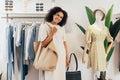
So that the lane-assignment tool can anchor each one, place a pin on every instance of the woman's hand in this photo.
(83, 58)
(44, 44)
(52, 27)
(54, 30)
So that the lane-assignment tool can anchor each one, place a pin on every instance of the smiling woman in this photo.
(53, 30)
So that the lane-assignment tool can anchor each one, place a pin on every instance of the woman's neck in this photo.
(54, 23)
(51, 24)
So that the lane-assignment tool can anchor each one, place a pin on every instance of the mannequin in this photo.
(94, 37)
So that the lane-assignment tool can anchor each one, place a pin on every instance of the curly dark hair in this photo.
(49, 16)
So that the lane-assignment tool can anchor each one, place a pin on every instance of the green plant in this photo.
(90, 15)
(113, 28)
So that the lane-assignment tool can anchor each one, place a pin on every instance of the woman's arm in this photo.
(49, 38)
(67, 58)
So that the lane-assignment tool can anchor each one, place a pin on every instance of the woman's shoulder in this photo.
(61, 27)
(43, 24)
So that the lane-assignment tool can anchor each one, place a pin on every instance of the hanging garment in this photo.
(17, 43)
(19, 28)
(97, 55)
(26, 38)
(10, 50)
(59, 37)
(19, 51)
(23, 42)
(31, 37)
(23, 66)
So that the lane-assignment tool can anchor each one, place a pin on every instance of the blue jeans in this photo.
(10, 52)
(24, 68)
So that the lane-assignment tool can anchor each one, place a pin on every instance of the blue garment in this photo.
(10, 51)
(33, 38)
(19, 44)
(20, 49)
(22, 54)
(24, 68)
(36, 33)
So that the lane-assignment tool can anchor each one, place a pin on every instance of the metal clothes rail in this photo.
(23, 15)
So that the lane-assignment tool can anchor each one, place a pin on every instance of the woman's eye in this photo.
(59, 16)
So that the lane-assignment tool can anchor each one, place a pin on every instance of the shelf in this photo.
(23, 15)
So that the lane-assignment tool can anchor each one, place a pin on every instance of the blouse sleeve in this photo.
(109, 37)
(42, 32)
(64, 34)
(88, 35)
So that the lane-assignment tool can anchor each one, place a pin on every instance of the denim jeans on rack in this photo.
(22, 53)
(33, 38)
(10, 51)
(24, 68)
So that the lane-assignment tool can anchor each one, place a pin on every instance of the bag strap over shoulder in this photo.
(75, 60)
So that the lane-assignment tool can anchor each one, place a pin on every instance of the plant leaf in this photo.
(90, 15)
(81, 28)
(115, 29)
(108, 17)
(108, 24)
(105, 44)
(110, 54)
(111, 29)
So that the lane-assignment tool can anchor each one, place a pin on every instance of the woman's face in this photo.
(57, 18)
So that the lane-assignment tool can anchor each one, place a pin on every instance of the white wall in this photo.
(77, 14)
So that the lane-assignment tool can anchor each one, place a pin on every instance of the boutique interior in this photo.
(31, 13)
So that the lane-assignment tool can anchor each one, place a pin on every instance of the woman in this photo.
(54, 25)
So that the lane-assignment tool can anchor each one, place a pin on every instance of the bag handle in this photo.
(75, 60)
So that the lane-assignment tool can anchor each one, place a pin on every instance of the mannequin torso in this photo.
(99, 25)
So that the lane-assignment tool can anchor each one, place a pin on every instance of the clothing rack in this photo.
(23, 16)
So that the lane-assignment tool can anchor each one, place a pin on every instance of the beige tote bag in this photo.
(46, 58)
